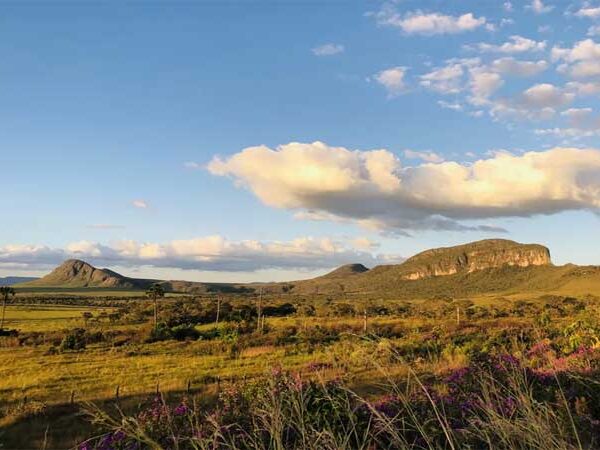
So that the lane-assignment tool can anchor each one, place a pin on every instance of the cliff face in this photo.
(487, 254)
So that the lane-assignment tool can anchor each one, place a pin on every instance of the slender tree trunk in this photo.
(3, 312)
(218, 309)
(259, 310)
(155, 312)
(365, 321)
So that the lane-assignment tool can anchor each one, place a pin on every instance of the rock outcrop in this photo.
(481, 255)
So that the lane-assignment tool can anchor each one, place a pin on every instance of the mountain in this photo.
(482, 266)
(75, 273)
(346, 271)
(492, 266)
(480, 255)
(9, 281)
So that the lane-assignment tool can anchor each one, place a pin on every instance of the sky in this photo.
(259, 141)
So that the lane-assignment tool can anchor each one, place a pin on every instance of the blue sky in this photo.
(112, 115)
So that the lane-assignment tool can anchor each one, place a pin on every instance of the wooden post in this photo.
(457, 315)
(189, 386)
(117, 393)
(365, 321)
(72, 400)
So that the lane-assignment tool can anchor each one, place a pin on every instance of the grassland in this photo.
(44, 382)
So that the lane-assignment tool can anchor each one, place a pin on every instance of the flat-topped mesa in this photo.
(480, 255)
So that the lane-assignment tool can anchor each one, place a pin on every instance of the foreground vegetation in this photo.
(300, 372)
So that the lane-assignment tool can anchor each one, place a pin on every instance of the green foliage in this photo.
(73, 341)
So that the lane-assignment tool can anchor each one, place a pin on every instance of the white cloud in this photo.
(192, 165)
(328, 49)
(581, 123)
(208, 253)
(373, 189)
(427, 156)
(445, 80)
(538, 7)
(508, 6)
(392, 80)
(594, 30)
(589, 12)
(427, 24)
(483, 84)
(580, 61)
(455, 106)
(546, 95)
(139, 204)
(515, 44)
(512, 66)
(583, 89)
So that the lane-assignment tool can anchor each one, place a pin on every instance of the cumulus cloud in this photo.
(445, 80)
(373, 189)
(483, 84)
(328, 49)
(141, 204)
(515, 44)
(512, 66)
(538, 7)
(546, 95)
(427, 24)
(392, 80)
(581, 123)
(208, 253)
(580, 61)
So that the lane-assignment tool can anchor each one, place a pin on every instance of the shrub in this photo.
(73, 341)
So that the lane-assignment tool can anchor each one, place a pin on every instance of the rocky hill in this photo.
(75, 273)
(434, 270)
(481, 255)
(490, 266)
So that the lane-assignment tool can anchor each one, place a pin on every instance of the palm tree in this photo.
(155, 292)
(5, 293)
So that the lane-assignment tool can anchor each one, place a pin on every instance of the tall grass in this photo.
(497, 404)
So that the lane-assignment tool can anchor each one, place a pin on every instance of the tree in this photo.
(155, 292)
(6, 292)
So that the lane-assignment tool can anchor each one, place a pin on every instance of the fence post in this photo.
(72, 400)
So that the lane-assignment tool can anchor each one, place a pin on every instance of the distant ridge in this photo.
(491, 266)
(9, 281)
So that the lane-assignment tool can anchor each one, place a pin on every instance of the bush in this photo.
(73, 341)
(185, 332)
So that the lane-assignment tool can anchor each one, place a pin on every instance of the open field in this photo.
(51, 368)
